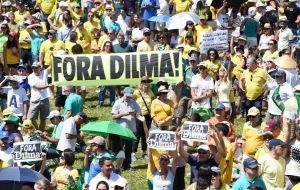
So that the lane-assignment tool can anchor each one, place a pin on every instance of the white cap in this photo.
(252, 11)
(54, 113)
(204, 147)
(269, 8)
(63, 4)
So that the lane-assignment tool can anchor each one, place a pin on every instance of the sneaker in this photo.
(133, 158)
(145, 156)
(99, 106)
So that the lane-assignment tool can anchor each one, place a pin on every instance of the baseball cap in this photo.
(146, 30)
(272, 123)
(269, 8)
(13, 34)
(63, 4)
(6, 4)
(97, 140)
(108, 6)
(193, 58)
(53, 114)
(7, 112)
(128, 91)
(21, 66)
(12, 119)
(242, 37)
(146, 78)
(140, 20)
(250, 163)
(203, 147)
(202, 17)
(27, 124)
(280, 73)
(215, 169)
(220, 106)
(35, 64)
(83, 116)
(253, 111)
(4, 134)
(283, 18)
(202, 64)
(162, 89)
(51, 31)
(276, 142)
(189, 22)
(193, 50)
(252, 11)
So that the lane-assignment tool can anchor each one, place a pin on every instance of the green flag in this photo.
(277, 99)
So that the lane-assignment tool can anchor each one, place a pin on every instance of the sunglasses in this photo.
(202, 68)
(212, 54)
(251, 117)
(202, 152)
(3, 28)
(270, 43)
(110, 33)
(146, 81)
(164, 159)
(146, 34)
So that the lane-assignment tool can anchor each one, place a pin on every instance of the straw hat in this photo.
(285, 62)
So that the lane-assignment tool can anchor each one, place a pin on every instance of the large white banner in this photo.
(217, 39)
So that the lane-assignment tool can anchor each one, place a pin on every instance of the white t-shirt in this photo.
(201, 87)
(137, 34)
(293, 165)
(124, 25)
(42, 79)
(6, 156)
(163, 8)
(291, 77)
(114, 180)
(286, 92)
(69, 127)
(284, 37)
(16, 99)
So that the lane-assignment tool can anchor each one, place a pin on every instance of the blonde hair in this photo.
(42, 183)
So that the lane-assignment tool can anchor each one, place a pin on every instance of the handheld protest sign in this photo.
(217, 40)
(195, 131)
(27, 151)
(162, 140)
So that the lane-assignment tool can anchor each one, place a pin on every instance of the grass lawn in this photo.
(137, 178)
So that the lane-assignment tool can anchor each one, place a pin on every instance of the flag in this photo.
(277, 99)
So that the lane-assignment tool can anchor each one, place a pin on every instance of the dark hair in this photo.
(112, 47)
(77, 49)
(69, 157)
(13, 43)
(204, 177)
(73, 36)
(223, 127)
(102, 160)
(215, 51)
(132, 23)
(104, 183)
(115, 143)
(254, 187)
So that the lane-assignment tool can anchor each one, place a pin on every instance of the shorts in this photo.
(13, 65)
(39, 107)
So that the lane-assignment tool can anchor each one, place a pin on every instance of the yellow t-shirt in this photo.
(69, 45)
(253, 137)
(144, 46)
(57, 19)
(4, 164)
(296, 187)
(139, 100)
(186, 50)
(19, 17)
(96, 43)
(11, 58)
(238, 60)
(102, 40)
(84, 38)
(254, 82)
(24, 35)
(47, 5)
(227, 163)
(61, 176)
(213, 68)
(162, 110)
(271, 171)
(48, 47)
(268, 55)
(182, 6)
(91, 26)
(261, 152)
(200, 29)
(183, 34)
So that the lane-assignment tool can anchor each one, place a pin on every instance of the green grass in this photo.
(137, 178)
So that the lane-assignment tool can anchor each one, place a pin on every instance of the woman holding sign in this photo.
(163, 178)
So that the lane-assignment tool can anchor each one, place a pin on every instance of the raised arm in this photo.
(151, 161)
(181, 151)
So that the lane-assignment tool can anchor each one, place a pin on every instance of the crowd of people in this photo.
(249, 95)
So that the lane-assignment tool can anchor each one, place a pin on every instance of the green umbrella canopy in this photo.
(104, 128)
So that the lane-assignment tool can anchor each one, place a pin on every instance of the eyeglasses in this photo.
(110, 33)
(202, 152)
(164, 159)
(107, 45)
(108, 9)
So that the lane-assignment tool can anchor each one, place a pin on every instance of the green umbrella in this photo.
(104, 128)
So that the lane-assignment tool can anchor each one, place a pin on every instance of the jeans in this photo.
(140, 133)
(256, 103)
(112, 94)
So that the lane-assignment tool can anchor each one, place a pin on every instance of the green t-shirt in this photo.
(57, 130)
(74, 103)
